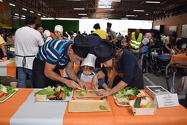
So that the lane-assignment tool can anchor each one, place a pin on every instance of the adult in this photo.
(120, 37)
(27, 42)
(100, 32)
(123, 64)
(59, 54)
(135, 42)
(40, 27)
(58, 31)
(3, 54)
(150, 36)
(111, 33)
(169, 43)
(181, 45)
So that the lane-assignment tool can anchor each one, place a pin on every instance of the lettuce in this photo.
(3, 88)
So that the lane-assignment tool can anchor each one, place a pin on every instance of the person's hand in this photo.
(4, 58)
(103, 93)
(94, 82)
(72, 84)
(83, 84)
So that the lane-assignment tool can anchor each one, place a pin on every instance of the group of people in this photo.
(41, 54)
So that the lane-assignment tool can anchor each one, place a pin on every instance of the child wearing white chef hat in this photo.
(58, 31)
(88, 65)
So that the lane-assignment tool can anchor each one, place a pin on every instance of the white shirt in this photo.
(27, 42)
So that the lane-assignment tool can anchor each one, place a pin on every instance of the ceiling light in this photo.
(31, 11)
(24, 9)
(152, 2)
(138, 10)
(23, 16)
(39, 14)
(124, 18)
(16, 14)
(11, 4)
(109, 9)
(79, 8)
(130, 15)
(84, 17)
(1, 0)
(82, 14)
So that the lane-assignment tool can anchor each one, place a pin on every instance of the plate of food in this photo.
(59, 93)
(123, 96)
(6, 92)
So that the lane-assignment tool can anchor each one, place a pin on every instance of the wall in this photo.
(173, 21)
(68, 25)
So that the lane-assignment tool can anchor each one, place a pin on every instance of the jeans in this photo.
(22, 76)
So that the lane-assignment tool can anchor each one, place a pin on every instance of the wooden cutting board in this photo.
(87, 105)
(90, 93)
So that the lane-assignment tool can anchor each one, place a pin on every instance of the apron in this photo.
(87, 79)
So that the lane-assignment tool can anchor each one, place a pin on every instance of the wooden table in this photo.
(118, 115)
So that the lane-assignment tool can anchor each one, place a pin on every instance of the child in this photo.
(88, 65)
(144, 51)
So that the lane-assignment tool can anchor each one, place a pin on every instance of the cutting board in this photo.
(90, 93)
(87, 106)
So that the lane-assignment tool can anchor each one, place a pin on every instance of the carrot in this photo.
(142, 106)
(62, 95)
(1, 94)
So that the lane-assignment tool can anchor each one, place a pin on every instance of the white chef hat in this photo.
(145, 41)
(46, 33)
(59, 28)
(89, 60)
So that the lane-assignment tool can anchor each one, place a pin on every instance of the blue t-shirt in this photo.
(55, 52)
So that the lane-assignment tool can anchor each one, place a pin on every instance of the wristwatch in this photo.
(5, 56)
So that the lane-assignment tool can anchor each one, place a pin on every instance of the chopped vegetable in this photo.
(58, 93)
(3, 88)
(102, 107)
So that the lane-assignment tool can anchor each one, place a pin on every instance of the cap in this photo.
(145, 41)
(46, 33)
(89, 60)
(109, 24)
(30, 19)
(81, 46)
(59, 28)
(96, 26)
(105, 51)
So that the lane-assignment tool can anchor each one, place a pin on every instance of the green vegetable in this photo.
(149, 104)
(48, 91)
(81, 94)
(137, 102)
(127, 91)
(3, 88)
(102, 107)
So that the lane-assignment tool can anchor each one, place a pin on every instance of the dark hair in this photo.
(87, 67)
(40, 25)
(30, 19)
(96, 26)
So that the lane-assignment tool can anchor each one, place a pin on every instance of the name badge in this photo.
(167, 100)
